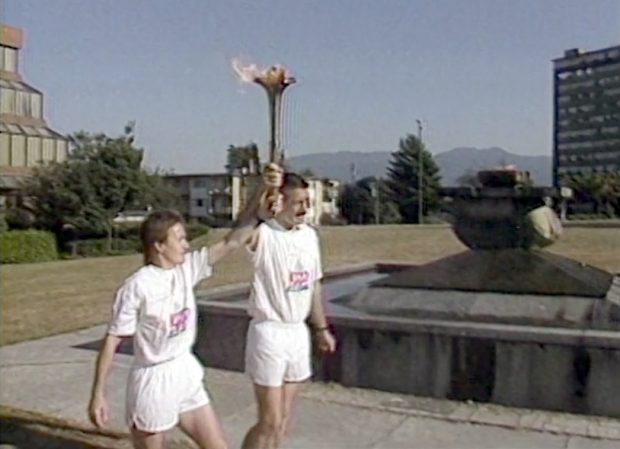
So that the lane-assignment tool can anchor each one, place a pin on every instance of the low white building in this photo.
(219, 197)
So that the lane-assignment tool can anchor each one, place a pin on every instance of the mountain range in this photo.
(344, 165)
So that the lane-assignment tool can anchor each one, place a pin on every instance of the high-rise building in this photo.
(586, 131)
(26, 140)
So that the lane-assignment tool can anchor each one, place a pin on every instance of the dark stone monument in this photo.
(503, 321)
(502, 277)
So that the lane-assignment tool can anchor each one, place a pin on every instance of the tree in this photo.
(611, 192)
(367, 202)
(101, 177)
(403, 179)
(354, 203)
(600, 189)
(243, 157)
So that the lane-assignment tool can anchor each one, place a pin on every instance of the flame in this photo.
(249, 73)
(246, 73)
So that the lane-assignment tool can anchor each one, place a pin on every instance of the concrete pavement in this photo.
(53, 376)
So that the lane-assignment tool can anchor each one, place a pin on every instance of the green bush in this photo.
(3, 224)
(19, 219)
(99, 247)
(27, 247)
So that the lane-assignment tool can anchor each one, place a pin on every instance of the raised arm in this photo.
(98, 410)
(262, 206)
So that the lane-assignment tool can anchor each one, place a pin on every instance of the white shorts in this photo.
(277, 352)
(157, 395)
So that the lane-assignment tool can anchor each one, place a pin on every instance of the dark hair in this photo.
(293, 181)
(155, 230)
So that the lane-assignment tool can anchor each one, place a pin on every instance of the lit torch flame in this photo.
(276, 78)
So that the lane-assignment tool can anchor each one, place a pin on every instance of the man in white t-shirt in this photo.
(286, 290)
(156, 305)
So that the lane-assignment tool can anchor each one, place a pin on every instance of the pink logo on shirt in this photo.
(179, 322)
(299, 280)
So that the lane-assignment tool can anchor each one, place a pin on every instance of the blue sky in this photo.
(476, 72)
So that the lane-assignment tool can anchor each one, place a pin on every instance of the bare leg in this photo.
(203, 426)
(264, 434)
(290, 392)
(148, 440)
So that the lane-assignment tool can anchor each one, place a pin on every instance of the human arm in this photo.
(98, 410)
(262, 206)
(124, 323)
(325, 339)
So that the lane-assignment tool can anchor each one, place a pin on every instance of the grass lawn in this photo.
(49, 298)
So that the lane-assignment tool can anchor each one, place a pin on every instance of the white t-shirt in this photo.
(286, 263)
(158, 308)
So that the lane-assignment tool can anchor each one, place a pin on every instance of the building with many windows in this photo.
(586, 132)
(26, 140)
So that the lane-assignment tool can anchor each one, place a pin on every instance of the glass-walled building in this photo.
(586, 137)
(26, 140)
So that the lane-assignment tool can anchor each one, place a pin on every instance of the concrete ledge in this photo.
(573, 370)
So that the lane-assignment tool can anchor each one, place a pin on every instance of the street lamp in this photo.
(420, 174)
(374, 193)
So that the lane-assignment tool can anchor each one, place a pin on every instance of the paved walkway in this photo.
(53, 376)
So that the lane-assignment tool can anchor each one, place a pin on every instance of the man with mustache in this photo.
(286, 290)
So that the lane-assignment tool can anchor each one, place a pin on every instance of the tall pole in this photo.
(420, 175)
(374, 192)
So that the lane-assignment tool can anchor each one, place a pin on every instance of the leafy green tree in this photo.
(611, 192)
(602, 190)
(354, 203)
(243, 157)
(368, 202)
(403, 179)
(101, 177)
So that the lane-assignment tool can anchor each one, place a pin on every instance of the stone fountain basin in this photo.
(514, 286)
(515, 362)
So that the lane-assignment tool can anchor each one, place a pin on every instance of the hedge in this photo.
(99, 247)
(27, 246)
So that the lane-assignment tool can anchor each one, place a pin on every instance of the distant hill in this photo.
(452, 164)
(338, 165)
(456, 162)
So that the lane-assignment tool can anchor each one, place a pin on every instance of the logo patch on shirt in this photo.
(179, 322)
(299, 281)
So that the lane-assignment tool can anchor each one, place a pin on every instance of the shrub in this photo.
(27, 247)
(3, 224)
(99, 247)
(19, 219)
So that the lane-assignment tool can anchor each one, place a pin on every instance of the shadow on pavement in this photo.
(124, 348)
(23, 429)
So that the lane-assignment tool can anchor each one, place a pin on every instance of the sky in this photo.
(477, 73)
